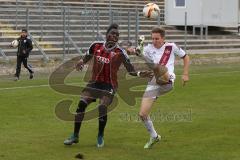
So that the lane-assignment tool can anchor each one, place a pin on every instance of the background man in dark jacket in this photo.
(24, 48)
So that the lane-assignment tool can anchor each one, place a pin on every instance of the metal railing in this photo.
(85, 25)
(45, 57)
(16, 16)
(79, 50)
(4, 55)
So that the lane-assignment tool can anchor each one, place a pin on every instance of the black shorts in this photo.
(98, 90)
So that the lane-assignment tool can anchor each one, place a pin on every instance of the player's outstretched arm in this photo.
(185, 75)
(131, 70)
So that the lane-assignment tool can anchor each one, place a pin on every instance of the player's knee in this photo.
(106, 101)
(160, 70)
(87, 99)
(102, 110)
(82, 105)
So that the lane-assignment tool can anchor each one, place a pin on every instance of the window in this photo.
(180, 3)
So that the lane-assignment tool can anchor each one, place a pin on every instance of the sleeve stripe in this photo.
(184, 56)
(124, 53)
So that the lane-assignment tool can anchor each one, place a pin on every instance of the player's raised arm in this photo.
(185, 75)
(186, 61)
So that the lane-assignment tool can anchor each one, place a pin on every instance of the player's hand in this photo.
(79, 66)
(134, 51)
(146, 74)
(131, 50)
(185, 79)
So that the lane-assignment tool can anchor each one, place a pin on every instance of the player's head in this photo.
(24, 33)
(158, 37)
(112, 35)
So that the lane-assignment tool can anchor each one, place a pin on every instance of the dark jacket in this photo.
(24, 44)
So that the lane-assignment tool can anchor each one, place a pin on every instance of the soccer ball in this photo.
(14, 43)
(151, 10)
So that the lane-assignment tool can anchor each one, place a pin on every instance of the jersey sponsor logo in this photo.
(167, 51)
(103, 59)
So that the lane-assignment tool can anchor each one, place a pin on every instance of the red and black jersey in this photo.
(107, 62)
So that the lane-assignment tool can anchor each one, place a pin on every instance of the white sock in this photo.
(150, 128)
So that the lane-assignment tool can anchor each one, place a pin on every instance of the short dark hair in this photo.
(159, 30)
(112, 26)
(24, 30)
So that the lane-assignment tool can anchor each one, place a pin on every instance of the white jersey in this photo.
(167, 53)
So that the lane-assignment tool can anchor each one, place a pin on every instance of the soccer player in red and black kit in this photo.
(107, 58)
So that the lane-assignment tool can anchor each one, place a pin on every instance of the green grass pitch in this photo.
(198, 122)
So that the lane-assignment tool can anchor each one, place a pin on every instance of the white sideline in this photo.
(35, 86)
(47, 85)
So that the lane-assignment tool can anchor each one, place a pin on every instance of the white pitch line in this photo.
(36, 86)
(211, 73)
(47, 85)
(25, 87)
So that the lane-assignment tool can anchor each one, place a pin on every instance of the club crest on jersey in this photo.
(167, 51)
(103, 59)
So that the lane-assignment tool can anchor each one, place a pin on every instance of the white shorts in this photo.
(155, 90)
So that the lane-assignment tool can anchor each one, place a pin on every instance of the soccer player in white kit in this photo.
(160, 53)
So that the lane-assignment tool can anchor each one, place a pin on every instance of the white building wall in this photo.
(205, 12)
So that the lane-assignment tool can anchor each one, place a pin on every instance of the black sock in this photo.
(102, 119)
(79, 117)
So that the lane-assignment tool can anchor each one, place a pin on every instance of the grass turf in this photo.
(199, 121)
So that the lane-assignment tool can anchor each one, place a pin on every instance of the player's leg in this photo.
(153, 91)
(25, 64)
(144, 113)
(145, 109)
(18, 68)
(161, 74)
(105, 101)
(82, 105)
